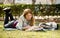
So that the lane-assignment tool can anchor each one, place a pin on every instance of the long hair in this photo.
(26, 11)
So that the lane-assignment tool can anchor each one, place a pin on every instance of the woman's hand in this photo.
(26, 27)
(32, 28)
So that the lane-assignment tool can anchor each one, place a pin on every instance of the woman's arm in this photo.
(26, 27)
(19, 24)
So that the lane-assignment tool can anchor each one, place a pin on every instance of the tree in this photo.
(53, 1)
(33, 2)
(13, 2)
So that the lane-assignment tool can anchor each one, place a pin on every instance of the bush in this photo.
(45, 10)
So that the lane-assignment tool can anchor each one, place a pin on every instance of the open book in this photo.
(35, 28)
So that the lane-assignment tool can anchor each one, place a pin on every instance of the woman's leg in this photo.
(9, 25)
(11, 16)
(6, 19)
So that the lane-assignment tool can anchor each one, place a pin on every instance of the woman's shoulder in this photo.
(22, 17)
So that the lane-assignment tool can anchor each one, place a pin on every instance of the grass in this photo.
(24, 34)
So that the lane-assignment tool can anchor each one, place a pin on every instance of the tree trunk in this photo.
(53, 1)
(33, 2)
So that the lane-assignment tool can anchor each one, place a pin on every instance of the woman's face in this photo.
(28, 16)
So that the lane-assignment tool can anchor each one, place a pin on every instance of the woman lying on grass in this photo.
(25, 22)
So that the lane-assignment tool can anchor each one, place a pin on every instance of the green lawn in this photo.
(24, 34)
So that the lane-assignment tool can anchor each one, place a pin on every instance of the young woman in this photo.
(24, 22)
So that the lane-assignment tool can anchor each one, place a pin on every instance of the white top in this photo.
(22, 22)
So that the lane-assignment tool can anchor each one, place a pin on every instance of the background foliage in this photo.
(38, 9)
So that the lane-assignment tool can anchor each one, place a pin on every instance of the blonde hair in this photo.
(26, 11)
